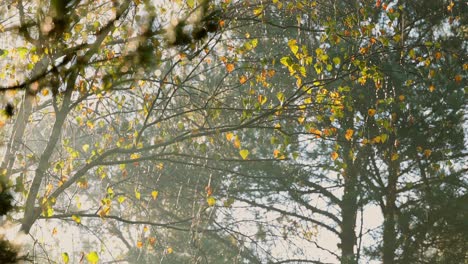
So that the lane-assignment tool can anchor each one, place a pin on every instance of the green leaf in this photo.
(336, 61)
(22, 51)
(190, 3)
(93, 257)
(244, 153)
(384, 137)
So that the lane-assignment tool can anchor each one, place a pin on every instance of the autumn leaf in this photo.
(276, 153)
(371, 112)
(431, 88)
(76, 218)
(395, 156)
(154, 194)
(139, 244)
(229, 136)
(334, 155)
(93, 257)
(65, 257)
(137, 194)
(237, 143)
(242, 79)
(427, 153)
(244, 153)
(211, 201)
(349, 134)
(209, 191)
(85, 147)
(121, 199)
(152, 240)
(169, 250)
(316, 132)
(230, 67)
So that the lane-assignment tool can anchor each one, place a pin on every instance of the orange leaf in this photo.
(431, 88)
(243, 79)
(139, 244)
(334, 155)
(371, 112)
(276, 153)
(229, 67)
(349, 134)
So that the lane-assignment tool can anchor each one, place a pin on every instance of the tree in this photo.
(160, 129)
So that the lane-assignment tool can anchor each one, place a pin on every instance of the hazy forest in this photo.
(233, 131)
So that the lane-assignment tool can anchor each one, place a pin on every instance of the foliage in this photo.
(246, 131)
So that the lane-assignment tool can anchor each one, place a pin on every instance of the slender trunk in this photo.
(390, 212)
(349, 210)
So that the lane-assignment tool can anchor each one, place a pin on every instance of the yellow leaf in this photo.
(93, 257)
(154, 194)
(45, 92)
(395, 156)
(431, 88)
(137, 194)
(169, 250)
(349, 134)
(85, 147)
(121, 199)
(65, 257)
(244, 153)
(135, 156)
(229, 67)
(211, 201)
(145, 229)
(371, 112)
(76, 218)
(334, 155)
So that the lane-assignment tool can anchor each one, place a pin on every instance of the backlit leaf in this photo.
(93, 257)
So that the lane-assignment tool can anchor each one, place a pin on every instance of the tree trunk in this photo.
(349, 210)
